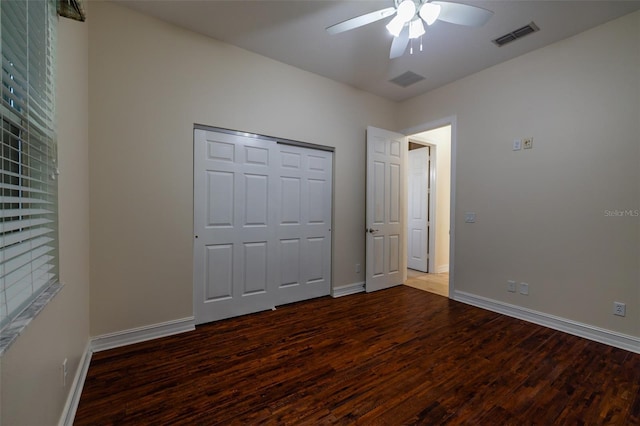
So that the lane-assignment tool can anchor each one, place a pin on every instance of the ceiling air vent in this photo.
(407, 79)
(516, 34)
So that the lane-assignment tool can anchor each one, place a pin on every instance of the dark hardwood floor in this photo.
(398, 356)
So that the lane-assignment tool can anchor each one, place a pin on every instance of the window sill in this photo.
(10, 333)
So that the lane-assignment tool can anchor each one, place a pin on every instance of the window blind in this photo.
(28, 184)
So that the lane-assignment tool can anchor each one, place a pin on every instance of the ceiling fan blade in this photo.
(399, 44)
(361, 20)
(463, 14)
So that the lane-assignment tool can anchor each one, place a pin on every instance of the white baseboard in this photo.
(115, 340)
(348, 289)
(141, 334)
(601, 335)
(441, 269)
(73, 399)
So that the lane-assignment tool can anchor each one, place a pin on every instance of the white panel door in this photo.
(304, 223)
(385, 216)
(262, 222)
(417, 220)
(235, 185)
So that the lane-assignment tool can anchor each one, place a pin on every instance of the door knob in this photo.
(371, 230)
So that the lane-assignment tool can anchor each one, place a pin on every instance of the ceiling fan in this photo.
(407, 24)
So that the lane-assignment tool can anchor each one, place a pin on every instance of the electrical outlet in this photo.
(64, 373)
(511, 286)
(619, 309)
(527, 143)
(357, 268)
(524, 289)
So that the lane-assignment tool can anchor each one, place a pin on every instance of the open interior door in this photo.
(418, 210)
(386, 216)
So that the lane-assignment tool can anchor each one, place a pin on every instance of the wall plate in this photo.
(517, 144)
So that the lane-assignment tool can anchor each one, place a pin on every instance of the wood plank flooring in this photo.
(398, 356)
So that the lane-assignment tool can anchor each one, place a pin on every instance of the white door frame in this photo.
(431, 125)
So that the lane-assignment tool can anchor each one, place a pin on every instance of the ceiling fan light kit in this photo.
(395, 26)
(416, 29)
(406, 10)
(430, 12)
(407, 24)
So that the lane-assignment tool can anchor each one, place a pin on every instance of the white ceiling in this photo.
(293, 32)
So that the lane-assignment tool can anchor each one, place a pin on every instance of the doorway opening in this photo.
(429, 210)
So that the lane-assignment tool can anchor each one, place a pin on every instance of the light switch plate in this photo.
(527, 143)
(517, 144)
(470, 217)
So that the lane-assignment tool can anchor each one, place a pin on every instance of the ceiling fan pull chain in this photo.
(421, 43)
(411, 47)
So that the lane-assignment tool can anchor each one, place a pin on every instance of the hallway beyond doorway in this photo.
(433, 283)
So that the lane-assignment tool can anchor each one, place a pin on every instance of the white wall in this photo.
(149, 83)
(441, 139)
(541, 213)
(32, 391)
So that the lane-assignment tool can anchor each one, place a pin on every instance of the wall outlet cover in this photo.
(527, 143)
(619, 309)
(511, 286)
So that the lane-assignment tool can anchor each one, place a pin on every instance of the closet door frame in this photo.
(238, 251)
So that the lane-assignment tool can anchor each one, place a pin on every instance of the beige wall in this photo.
(32, 391)
(149, 83)
(541, 212)
(441, 139)
(140, 86)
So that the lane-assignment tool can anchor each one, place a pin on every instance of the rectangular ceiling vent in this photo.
(407, 79)
(516, 34)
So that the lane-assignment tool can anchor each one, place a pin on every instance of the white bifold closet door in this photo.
(262, 222)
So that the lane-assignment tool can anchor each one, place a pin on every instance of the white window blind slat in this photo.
(23, 212)
(18, 237)
(17, 249)
(16, 302)
(18, 262)
(25, 273)
(28, 186)
(5, 111)
(22, 188)
(23, 200)
(30, 181)
(14, 225)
